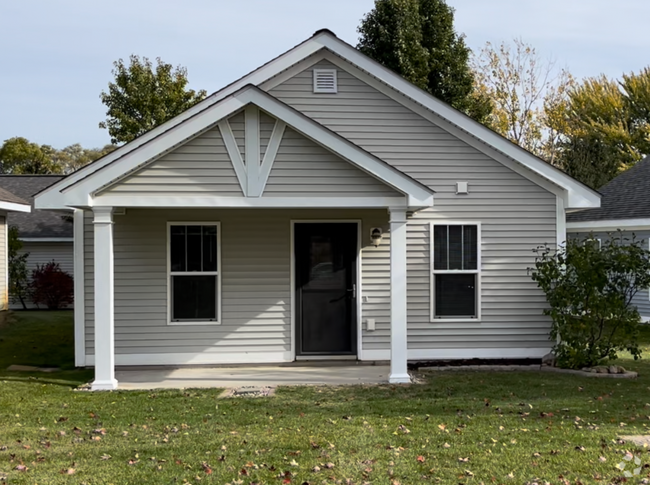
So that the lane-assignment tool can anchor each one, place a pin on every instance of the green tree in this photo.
(526, 93)
(75, 156)
(605, 127)
(143, 97)
(417, 40)
(19, 287)
(590, 291)
(19, 156)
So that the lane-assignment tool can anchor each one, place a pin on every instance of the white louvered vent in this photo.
(325, 81)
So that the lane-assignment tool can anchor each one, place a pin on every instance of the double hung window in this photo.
(455, 267)
(194, 272)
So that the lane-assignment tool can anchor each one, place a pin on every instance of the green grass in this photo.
(468, 427)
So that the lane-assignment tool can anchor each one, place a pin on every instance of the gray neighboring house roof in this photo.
(625, 197)
(6, 196)
(38, 223)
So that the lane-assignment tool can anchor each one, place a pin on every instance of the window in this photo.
(194, 272)
(455, 271)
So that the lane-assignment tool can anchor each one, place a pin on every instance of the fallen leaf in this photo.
(421, 459)
(21, 468)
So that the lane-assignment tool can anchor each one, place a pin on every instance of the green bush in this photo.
(590, 288)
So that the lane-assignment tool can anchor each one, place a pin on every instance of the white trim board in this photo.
(14, 207)
(79, 290)
(489, 353)
(203, 358)
(609, 225)
(87, 191)
(577, 195)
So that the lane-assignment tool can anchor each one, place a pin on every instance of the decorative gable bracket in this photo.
(252, 171)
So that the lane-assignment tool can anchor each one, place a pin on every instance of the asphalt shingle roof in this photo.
(6, 196)
(37, 223)
(625, 197)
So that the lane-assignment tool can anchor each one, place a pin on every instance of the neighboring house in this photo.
(46, 235)
(625, 205)
(321, 207)
(9, 204)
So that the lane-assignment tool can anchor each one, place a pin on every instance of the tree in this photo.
(19, 156)
(526, 92)
(416, 39)
(141, 97)
(19, 287)
(590, 291)
(604, 127)
(73, 157)
(52, 286)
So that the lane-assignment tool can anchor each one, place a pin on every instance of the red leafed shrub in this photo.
(51, 286)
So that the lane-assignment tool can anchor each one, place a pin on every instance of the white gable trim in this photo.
(270, 153)
(234, 154)
(83, 192)
(14, 207)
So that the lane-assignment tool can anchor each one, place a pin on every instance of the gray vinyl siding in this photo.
(267, 124)
(4, 282)
(200, 166)
(41, 253)
(238, 127)
(256, 297)
(642, 298)
(516, 214)
(304, 169)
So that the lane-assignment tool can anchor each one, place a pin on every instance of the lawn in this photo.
(469, 428)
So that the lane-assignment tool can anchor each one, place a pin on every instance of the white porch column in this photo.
(398, 347)
(104, 303)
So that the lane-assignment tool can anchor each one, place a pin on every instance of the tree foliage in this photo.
(417, 40)
(142, 97)
(51, 286)
(527, 94)
(20, 156)
(590, 291)
(605, 127)
(19, 287)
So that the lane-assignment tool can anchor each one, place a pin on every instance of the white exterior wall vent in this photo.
(325, 81)
(462, 188)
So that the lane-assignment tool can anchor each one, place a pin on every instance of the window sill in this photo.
(198, 322)
(456, 320)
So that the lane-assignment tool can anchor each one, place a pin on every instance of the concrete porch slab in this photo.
(227, 377)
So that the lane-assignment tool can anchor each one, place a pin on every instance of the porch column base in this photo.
(109, 385)
(399, 379)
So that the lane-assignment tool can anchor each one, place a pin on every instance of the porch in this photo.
(133, 316)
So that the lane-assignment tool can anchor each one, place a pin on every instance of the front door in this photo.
(326, 257)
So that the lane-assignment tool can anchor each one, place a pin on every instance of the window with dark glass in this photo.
(455, 271)
(194, 272)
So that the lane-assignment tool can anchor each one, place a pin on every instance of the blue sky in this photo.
(56, 56)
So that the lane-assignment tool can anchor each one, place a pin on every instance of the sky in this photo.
(56, 55)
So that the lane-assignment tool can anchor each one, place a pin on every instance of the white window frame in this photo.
(433, 272)
(193, 273)
(334, 73)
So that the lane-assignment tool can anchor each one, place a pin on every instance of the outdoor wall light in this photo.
(376, 236)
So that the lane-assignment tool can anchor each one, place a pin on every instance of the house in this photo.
(46, 235)
(321, 207)
(625, 206)
(9, 203)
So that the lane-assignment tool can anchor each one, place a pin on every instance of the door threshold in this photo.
(326, 357)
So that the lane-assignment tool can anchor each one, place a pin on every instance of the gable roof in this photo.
(12, 203)
(624, 198)
(37, 224)
(92, 180)
(575, 194)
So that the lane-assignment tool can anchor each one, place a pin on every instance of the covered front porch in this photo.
(263, 312)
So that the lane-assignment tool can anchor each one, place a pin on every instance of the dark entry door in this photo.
(326, 255)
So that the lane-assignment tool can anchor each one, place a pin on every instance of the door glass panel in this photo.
(326, 268)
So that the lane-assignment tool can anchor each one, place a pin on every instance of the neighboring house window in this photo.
(456, 271)
(194, 272)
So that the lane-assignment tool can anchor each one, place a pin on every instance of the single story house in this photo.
(46, 235)
(625, 206)
(9, 203)
(320, 207)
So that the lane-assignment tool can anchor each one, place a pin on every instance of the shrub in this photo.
(51, 286)
(590, 291)
(19, 287)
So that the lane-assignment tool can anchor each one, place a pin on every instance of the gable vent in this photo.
(325, 81)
